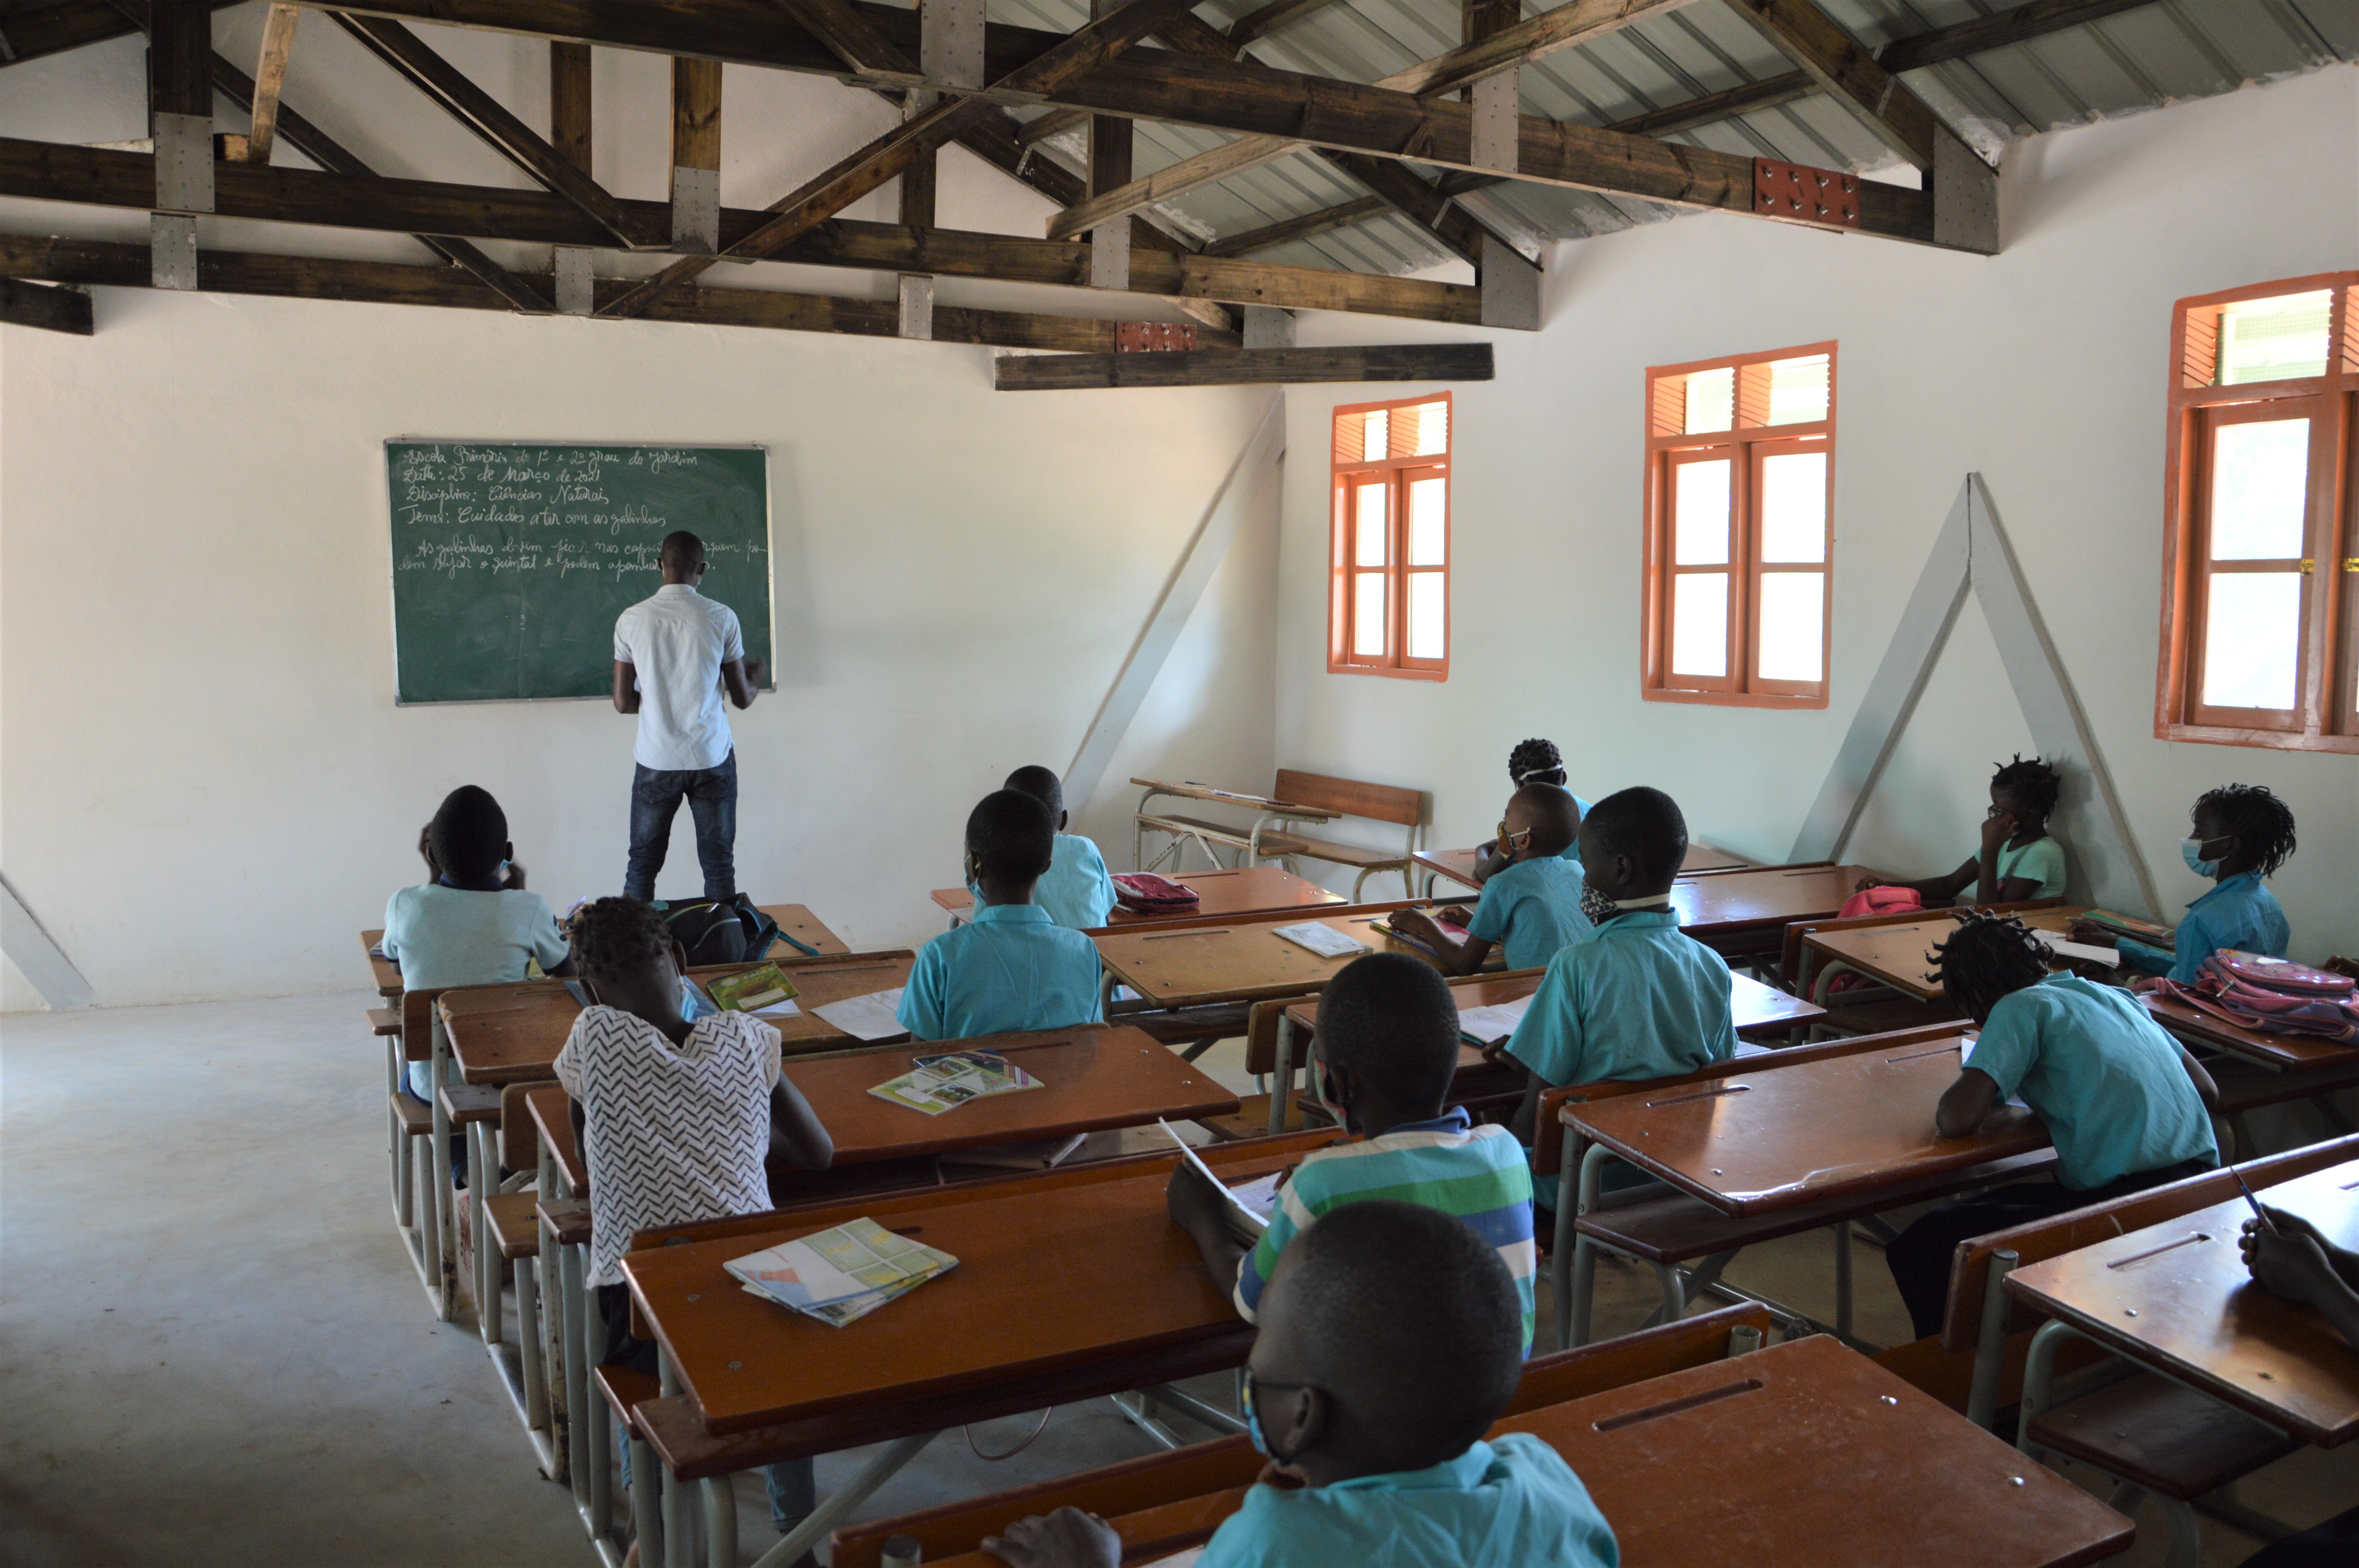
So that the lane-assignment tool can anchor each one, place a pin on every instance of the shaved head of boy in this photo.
(1547, 812)
(1632, 843)
(1387, 1042)
(681, 556)
(1010, 839)
(1041, 785)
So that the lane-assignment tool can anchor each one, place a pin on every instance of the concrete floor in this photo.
(214, 1350)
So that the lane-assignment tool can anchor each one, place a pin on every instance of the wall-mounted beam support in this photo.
(180, 120)
(696, 155)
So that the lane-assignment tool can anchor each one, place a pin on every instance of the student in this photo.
(2018, 860)
(1639, 999)
(1532, 762)
(2243, 833)
(2124, 1103)
(1008, 967)
(1385, 1055)
(1387, 1351)
(1077, 892)
(2297, 1263)
(474, 924)
(1531, 906)
(674, 1119)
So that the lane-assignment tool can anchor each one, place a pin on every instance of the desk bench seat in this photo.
(1882, 1017)
(416, 1117)
(1186, 1026)
(1358, 856)
(466, 1103)
(568, 1219)
(625, 1391)
(384, 1021)
(515, 1224)
(2158, 1434)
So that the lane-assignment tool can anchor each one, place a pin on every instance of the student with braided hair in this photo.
(2018, 859)
(2124, 1102)
(2242, 834)
(1533, 761)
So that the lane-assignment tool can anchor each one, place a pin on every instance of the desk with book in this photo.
(1242, 889)
(1458, 865)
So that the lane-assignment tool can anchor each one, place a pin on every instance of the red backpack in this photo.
(1143, 892)
(2275, 996)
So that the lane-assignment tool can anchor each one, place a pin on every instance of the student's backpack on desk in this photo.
(2275, 996)
(716, 932)
(1143, 892)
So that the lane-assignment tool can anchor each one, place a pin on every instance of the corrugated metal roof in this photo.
(2135, 60)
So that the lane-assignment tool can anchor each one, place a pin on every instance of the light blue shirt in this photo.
(2101, 1074)
(1573, 850)
(1007, 968)
(1077, 892)
(1533, 909)
(2238, 913)
(1512, 1502)
(454, 936)
(1639, 999)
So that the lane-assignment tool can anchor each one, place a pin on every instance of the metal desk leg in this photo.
(1561, 1252)
(1990, 1344)
(2038, 1383)
(1584, 1251)
(828, 1514)
(720, 1522)
(396, 1137)
(555, 1347)
(679, 1524)
(437, 1167)
(647, 1501)
(1281, 1083)
(577, 1374)
(484, 1166)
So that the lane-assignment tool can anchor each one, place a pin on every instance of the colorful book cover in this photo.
(937, 1084)
(765, 986)
(841, 1275)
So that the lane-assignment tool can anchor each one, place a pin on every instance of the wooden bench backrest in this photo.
(519, 1138)
(1798, 929)
(1548, 1134)
(418, 1023)
(1134, 1484)
(1381, 803)
(1261, 1033)
(1961, 1323)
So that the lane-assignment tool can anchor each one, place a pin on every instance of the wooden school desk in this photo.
(1237, 960)
(2290, 1054)
(383, 972)
(2176, 1298)
(1891, 949)
(1458, 865)
(1745, 913)
(1069, 1285)
(1802, 1454)
(1248, 890)
(1267, 814)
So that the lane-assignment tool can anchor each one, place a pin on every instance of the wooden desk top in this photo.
(551, 1109)
(1805, 1451)
(509, 1034)
(2283, 1053)
(1804, 1133)
(1260, 803)
(1894, 954)
(1238, 960)
(793, 919)
(2177, 1297)
(1458, 865)
(1760, 1009)
(1248, 890)
(1065, 1270)
(383, 971)
(1769, 896)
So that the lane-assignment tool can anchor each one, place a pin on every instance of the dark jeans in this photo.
(1920, 1256)
(2334, 1544)
(712, 801)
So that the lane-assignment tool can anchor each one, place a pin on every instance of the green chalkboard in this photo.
(511, 559)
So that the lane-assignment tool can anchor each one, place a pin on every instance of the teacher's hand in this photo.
(756, 672)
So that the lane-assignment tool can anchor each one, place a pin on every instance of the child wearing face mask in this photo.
(1009, 967)
(1386, 1051)
(2242, 834)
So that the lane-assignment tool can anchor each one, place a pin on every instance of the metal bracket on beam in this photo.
(1799, 193)
(172, 249)
(1153, 338)
(695, 211)
(1497, 120)
(1965, 196)
(914, 293)
(1267, 327)
(1511, 287)
(1110, 255)
(184, 162)
(950, 41)
(577, 291)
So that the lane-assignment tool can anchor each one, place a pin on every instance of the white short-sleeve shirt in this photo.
(678, 641)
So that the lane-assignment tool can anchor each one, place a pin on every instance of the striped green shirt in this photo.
(1479, 1173)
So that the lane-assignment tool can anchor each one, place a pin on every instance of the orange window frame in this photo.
(2324, 716)
(1750, 440)
(1356, 483)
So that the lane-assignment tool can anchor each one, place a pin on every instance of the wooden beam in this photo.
(180, 57)
(269, 79)
(1174, 179)
(1527, 40)
(695, 155)
(104, 178)
(1056, 121)
(412, 60)
(854, 39)
(1246, 367)
(110, 264)
(1309, 226)
(30, 32)
(2036, 19)
(51, 309)
(1268, 20)
(569, 131)
(1843, 69)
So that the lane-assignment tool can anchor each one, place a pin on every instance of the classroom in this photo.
(1721, 636)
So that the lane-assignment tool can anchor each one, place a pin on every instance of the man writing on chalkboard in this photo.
(674, 655)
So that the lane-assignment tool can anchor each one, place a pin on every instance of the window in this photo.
(1388, 608)
(2260, 592)
(1740, 529)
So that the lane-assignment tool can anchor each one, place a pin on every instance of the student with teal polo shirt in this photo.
(1078, 891)
(1639, 999)
(2018, 857)
(2243, 833)
(1009, 967)
(1534, 762)
(2124, 1102)
(1532, 906)
(1388, 1348)
(1386, 1051)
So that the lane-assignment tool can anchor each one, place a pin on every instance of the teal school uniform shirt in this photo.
(1533, 909)
(1078, 892)
(1573, 850)
(1478, 1174)
(1007, 968)
(1510, 1502)
(2102, 1075)
(2042, 860)
(1640, 999)
(2238, 913)
(454, 936)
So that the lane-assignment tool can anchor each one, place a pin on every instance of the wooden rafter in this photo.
(1268, 20)
(269, 78)
(1309, 226)
(1846, 71)
(568, 104)
(1253, 367)
(1560, 28)
(54, 309)
(34, 32)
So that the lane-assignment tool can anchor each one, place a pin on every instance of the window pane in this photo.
(1370, 550)
(1428, 509)
(1368, 616)
(2260, 474)
(1428, 613)
(1700, 513)
(1430, 431)
(1700, 623)
(1793, 625)
(1797, 390)
(2251, 638)
(1794, 508)
(1711, 400)
(2268, 340)
(1379, 432)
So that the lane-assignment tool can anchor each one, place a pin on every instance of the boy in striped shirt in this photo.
(1382, 1065)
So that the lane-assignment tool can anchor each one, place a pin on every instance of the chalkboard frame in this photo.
(393, 563)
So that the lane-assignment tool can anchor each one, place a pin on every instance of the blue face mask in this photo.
(692, 1001)
(2191, 851)
(1253, 1420)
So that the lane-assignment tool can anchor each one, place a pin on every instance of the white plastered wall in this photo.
(2043, 368)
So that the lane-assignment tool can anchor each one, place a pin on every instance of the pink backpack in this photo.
(1146, 893)
(2275, 996)
(1881, 901)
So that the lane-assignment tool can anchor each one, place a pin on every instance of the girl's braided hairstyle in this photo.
(2263, 823)
(1531, 757)
(2033, 782)
(617, 937)
(1988, 957)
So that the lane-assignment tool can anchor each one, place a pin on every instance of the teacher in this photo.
(674, 655)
